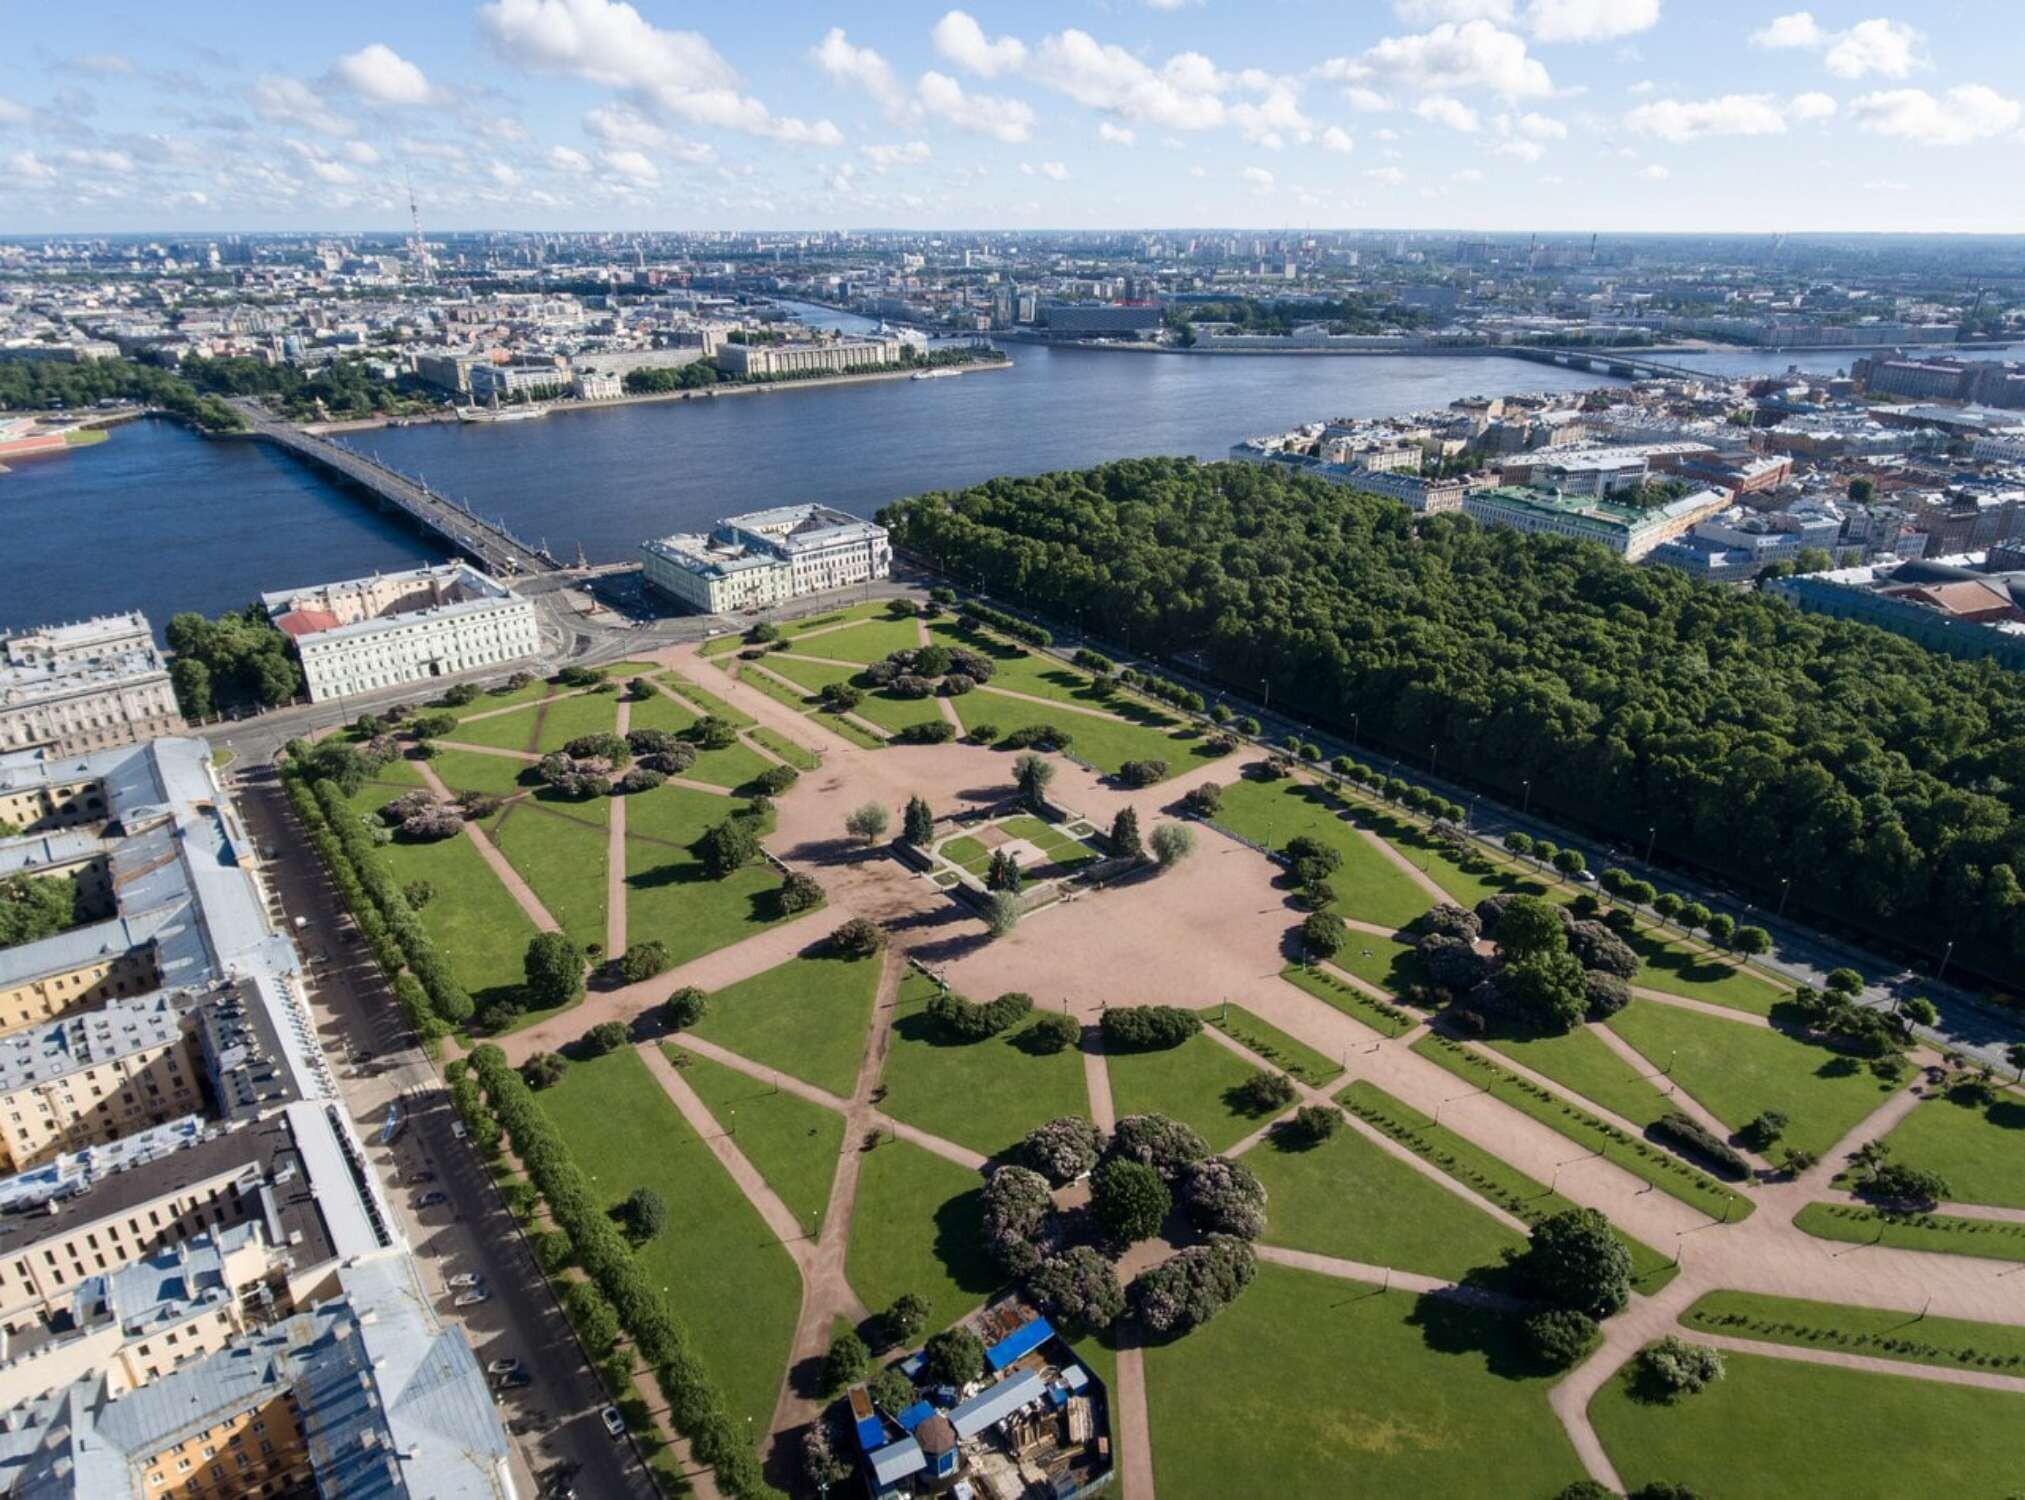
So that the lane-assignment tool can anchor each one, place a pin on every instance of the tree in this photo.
(1844, 982)
(1519, 843)
(606, 1036)
(1560, 1336)
(891, 1391)
(1575, 1260)
(544, 1069)
(1862, 489)
(1764, 1131)
(1003, 873)
(1920, 1011)
(642, 961)
(644, 1214)
(1751, 941)
(1063, 1149)
(555, 971)
(1667, 904)
(1569, 862)
(1051, 1033)
(1266, 1092)
(1721, 927)
(858, 938)
(1224, 1197)
(1165, 1145)
(684, 1008)
(822, 1465)
(867, 822)
(1548, 989)
(1204, 801)
(1172, 843)
(953, 1357)
(1321, 934)
(1188, 1289)
(1032, 774)
(1017, 1207)
(1529, 927)
(1125, 834)
(1693, 916)
(846, 1363)
(1078, 1287)
(905, 1318)
(1672, 1368)
(2015, 1056)
(1313, 1124)
(1142, 773)
(1002, 912)
(800, 892)
(1129, 1200)
(728, 847)
(917, 824)
(1904, 1186)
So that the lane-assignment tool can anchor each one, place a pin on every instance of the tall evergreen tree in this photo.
(1125, 833)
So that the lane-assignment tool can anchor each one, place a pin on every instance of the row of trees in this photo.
(238, 660)
(32, 385)
(1885, 780)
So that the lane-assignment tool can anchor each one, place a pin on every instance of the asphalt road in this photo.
(554, 1420)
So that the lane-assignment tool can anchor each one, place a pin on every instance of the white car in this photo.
(615, 1423)
(466, 1278)
(1585, 877)
(473, 1297)
(503, 1367)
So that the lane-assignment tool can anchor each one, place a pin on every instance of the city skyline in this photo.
(1494, 115)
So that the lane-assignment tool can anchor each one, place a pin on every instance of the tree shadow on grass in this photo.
(1456, 1323)
(959, 1244)
(675, 872)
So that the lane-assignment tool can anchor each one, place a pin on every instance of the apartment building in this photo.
(86, 686)
(832, 357)
(1629, 532)
(767, 557)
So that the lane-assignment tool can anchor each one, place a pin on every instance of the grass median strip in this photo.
(708, 701)
(1873, 1332)
(1643, 1160)
(1386, 1020)
(800, 758)
(1948, 1234)
(1275, 1046)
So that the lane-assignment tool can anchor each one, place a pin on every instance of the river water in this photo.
(160, 520)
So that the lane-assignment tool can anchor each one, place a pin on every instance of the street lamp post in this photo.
(1267, 684)
(1433, 757)
(1526, 803)
(1946, 954)
(1785, 890)
(1355, 720)
(1651, 838)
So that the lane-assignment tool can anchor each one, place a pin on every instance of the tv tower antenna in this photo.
(418, 248)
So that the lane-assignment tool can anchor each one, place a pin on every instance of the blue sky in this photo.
(1489, 114)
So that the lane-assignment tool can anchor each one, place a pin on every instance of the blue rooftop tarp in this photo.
(871, 1433)
(915, 1415)
(1022, 1340)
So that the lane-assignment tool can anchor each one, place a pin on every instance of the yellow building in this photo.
(94, 1077)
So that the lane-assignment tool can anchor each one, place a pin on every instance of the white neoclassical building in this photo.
(86, 686)
(767, 557)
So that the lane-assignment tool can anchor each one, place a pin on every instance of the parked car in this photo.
(513, 1382)
(473, 1297)
(615, 1424)
(466, 1278)
(431, 1198)
(1585, 877)
(457, 1129)
(503, 1367)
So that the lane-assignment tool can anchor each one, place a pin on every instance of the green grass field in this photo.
(733, 766)
(1671, 967)
(1350, 1198)
(1873, 1332)
(1260, 1035)
(1583, 1063)
(1467, 880)
(863, 643)
(1979, 1149)
(1393, 967)
(1944, 1234)
(1370, 887)
(478, 926)
(985, 1094)
(668, 894)
(879, 707)
(799, 756)
(706, 700)
(1488, 1176)
(1778, 1427)
(1187, 1083)
(806, 1017)
(468, 771)
(513, 730)
(569, 718)
(726, 1276)
(915, 1229)
(1736, 1070)
(1104, 743)
(533, 692)
(792, 1142)
(563, 861)
(1347, 998)
(864, 609)
(1308, 1386)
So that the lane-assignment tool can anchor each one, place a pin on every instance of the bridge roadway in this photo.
(1609, 360)
(490, 543)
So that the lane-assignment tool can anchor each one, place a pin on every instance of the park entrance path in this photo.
(522, 893)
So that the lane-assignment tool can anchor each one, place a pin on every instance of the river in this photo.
(161, 520)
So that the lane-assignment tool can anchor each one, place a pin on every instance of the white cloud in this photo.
(1799, 29)
(1115, 135)
(1590, 20)
(622, 125)
(106, 64)
(503, 174)
(1810, 106)
(1732, 114)
(1468, 174)
(1518, 150)
(97, 160)
(1183, 95)
(861, 65)
(568, 159)
(1428, 12)
(1453, 58)
(609, 43)
(958, 37)
(1387, 176)
(335, 173)
(635, 166)
(1968, 112)
(26, 166)
(1540, 128)
(1643, 86)
(1337, 139)
(1258, 177)
(1055, 171)
(1442, 110)
(379, 73)
(1366, 101)
(902, 155)
(290, 101)
(1009, 120)
(1654, 173)
(12, 113)
(1889, 49)
(359, 153)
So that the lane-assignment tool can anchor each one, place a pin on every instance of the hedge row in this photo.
(1006, 624)
(1690, 1134)
(606, 1257)
(431, 1000)
(1161, 688)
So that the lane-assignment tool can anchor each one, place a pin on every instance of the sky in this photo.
(1614, 115)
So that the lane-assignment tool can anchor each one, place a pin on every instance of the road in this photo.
(554, 1420)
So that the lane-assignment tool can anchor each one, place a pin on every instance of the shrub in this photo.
(1903, 1186)
(1079, 1288)
(579, 677)
(965, 1021)
(858, 938)
(1142, 773)
(418, 893)
(1017, 1207)
(775, 781)
(841, 696)
(1129, 1199)
(1606, 994)
(1559, 1336)
(1690, 1134)
(606, 1036)
(1266, 1092)
(1764, 1132)
(953, 1357)
(1575, 1260)
(956, 684)
(867, 821)
(1051, 1033)
(1322, 934)
(1452, 963)
(1313, 1124)
(1002, 912)
(846, 1363)
(728, 847)
(1224, 1197)
(1165, 1145)
(638, 779)
(1063, 1149)
(544, 1069)
(684, 1008)
(643, 1213)
(892, 1392)
(642, 961)
(1148, 1028)
(927, 732)
(983, 733)
(1446, 919)
(1204, 801)
(798, 893)
(1172, 843)
(905, 1318)
(554, 969)
(1190, 1288)
(1597, 947)
(1673, 1368)
(932, 661)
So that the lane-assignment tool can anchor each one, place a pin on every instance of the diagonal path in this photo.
(615, 850)
(522, 893)
(1384, 1278)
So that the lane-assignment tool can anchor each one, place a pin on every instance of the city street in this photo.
(553, 1421)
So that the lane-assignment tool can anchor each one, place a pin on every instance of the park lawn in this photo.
(795, 1144)
(1353, 1002)
(1369, 887)
(1488, 1176)
(1391, 965)
(494, 775)
(878, 706)
(1104, 743)
(985, 1094)
(1297, 1059)
(864, 609)
(473, 919)
(718, 645)
(807, 1017)
(1582, 1062)
(1188, 1083)
(799, 756)
(1945, 1234)
(733, 766)
(513, 730)
(1775, 1426)
(1736, 1070)
(1312, 1386)
(583, 713)
(864, 643)
(1468, 880)
(1979, 1149)
(1664, 1170)
(668, 894)
(916, 1228)
(728, 1280)
(968, 852)
(706, 700)
(563, 860)
(1350, 1198)
(532, 692)
(1670, 966)
(1874, 1332)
